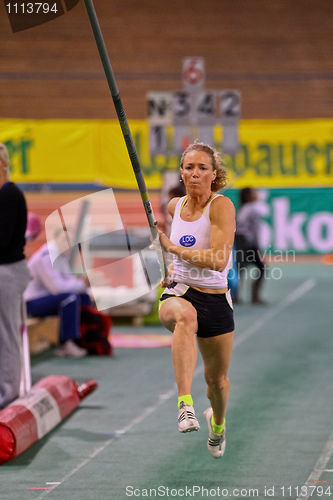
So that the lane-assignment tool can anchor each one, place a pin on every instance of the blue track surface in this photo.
(279, 422)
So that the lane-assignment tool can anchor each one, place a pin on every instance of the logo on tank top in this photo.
(188, 240)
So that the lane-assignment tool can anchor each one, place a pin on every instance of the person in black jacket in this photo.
(247, 241)
(14, 277)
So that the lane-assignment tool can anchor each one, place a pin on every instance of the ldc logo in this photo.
(188, 240)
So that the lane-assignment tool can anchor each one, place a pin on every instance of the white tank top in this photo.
(195, 235)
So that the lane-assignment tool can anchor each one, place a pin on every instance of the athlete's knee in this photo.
(186, 315)
(217, 382)
(173, 314)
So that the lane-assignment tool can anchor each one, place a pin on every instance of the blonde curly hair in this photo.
(4, 157)
(221, 178)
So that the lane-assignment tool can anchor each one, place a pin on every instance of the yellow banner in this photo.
(272, 153)
(284, 153)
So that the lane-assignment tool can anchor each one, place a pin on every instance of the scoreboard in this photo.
(193, 112)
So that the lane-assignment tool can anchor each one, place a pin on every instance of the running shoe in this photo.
(187, 421)
(216, 442)
(70, 350)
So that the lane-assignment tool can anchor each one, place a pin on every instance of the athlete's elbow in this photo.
(220, 266)
(220, 261)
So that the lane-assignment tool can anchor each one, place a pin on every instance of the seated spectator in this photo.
(54, 292)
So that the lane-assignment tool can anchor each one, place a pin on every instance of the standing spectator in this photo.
(14, 277)
(247, 240)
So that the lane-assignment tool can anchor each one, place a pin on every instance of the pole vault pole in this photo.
(124, 127)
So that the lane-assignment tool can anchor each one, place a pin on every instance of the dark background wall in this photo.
(277, 52)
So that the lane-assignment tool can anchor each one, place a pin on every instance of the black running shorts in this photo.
(214, 310)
